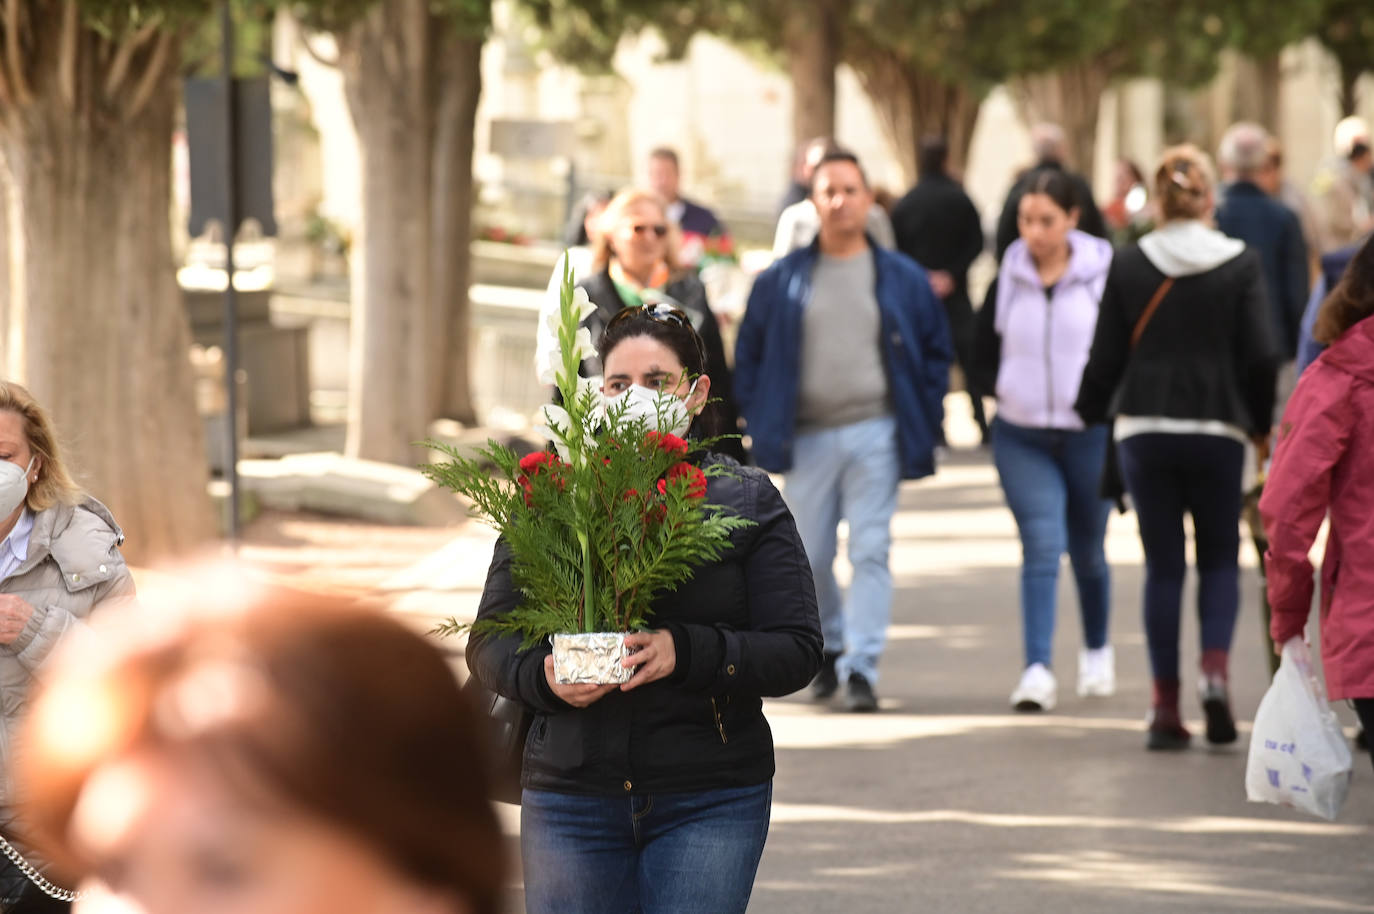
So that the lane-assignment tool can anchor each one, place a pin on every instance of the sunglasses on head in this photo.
(658, 230)
(662, 312)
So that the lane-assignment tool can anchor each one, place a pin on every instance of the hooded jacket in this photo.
(73, 564)
(1038, 339)
(1323, 464)
(1206, 360)
(744, 627)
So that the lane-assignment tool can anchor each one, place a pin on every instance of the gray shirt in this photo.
(843, 378)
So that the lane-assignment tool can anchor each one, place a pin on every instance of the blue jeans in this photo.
(850, 473)
(1170, 475)
(666, 853)
(1050, 479)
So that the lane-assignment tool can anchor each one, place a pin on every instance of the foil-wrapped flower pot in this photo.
(591, 658)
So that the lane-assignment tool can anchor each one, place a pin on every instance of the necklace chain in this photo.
(37, 878)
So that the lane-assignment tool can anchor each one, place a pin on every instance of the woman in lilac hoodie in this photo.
(1035, 329)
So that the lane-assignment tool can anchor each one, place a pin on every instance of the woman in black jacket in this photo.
(1184, 360)
(654, 796)
(634, 260)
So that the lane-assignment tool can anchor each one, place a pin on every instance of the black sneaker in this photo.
(859, 695)
(1216, 706)
(827, 681)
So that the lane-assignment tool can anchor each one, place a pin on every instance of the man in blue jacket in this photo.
(841, 368)
(1246, 212)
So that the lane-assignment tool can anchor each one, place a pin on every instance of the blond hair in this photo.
(614, 212)
(55, 485)
(1183, 183)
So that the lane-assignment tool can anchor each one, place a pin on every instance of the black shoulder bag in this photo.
(508, 723)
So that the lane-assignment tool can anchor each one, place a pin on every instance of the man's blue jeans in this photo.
(666, 853)
(851, 473)
(1050, 478)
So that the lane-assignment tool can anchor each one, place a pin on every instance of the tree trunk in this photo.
(1350, 78)
(912, 104)
(1270, 79)
(96, 327)
(460, 87)
(385, 63)
(811, 38)
(412, 81)
(1069, 97)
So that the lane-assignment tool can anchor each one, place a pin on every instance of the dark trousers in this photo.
(1169, 475)
(1364, 707)
(959, 311)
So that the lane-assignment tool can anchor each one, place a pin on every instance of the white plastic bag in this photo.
(1298, 754)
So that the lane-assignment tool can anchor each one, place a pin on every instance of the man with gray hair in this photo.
(1246, 212)
(1047, 142)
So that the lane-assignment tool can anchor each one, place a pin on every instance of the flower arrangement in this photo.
(615, 516)
(718, 248)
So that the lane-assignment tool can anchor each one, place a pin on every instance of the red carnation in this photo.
(696, 480)
(535, 464)
(667, 443)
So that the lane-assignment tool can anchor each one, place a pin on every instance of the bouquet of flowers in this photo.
(718, 248)
(598, 528)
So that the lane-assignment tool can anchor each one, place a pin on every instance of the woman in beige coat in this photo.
(59, 558)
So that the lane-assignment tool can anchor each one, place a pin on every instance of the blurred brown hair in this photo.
(55, 485)
(344, 714)
(1183, 182)
(1351, 301)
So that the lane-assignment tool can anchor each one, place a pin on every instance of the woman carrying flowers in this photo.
(654, 795)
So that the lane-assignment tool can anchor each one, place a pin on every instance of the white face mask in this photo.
(660, 410)
(14, 485)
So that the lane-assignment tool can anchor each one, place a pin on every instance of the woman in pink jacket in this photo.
(1324, 462)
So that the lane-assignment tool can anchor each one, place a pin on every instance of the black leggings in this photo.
(1364, 707)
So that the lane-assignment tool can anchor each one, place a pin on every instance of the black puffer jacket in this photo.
(744, 627)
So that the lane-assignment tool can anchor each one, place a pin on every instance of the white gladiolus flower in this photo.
(555, 422)
(582, 344)
(582, 305)
(548, 369)
(592, 385)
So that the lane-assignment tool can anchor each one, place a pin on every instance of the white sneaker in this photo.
(1037, 690)
(1096, 672)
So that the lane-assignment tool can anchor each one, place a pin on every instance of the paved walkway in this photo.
(946, 801)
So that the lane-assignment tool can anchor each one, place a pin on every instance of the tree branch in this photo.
(66, 55)
(119, 68)
(19, 86)
(152, 74)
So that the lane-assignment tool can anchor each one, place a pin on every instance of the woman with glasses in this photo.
(1184, 358)
(635, 261)
(654, 796)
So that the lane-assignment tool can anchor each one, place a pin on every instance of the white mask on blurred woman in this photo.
(14, 485)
